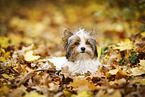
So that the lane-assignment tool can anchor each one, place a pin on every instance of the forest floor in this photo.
(31, 32)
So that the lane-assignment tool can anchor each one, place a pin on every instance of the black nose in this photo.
(83, 49)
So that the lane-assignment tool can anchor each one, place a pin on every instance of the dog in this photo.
(81, 51)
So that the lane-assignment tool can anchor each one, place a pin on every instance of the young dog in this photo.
(81, 51)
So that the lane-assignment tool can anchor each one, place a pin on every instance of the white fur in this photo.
(82, 66)
(83, 62)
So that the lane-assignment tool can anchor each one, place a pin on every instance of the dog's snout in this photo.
(83, 49)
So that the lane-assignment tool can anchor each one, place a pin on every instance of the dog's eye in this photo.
(87, 42)
(76, 43)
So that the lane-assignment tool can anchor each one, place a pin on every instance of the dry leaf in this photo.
(142, 81)
(34, 94)
(118, 73)
(66, 71)
(18, 92)
(30, 57)
(139, 70)
(143, 34)
(82, 82)
(4, 42)
(4, 90)
(8, 76)
(124, 45)
(82, 94)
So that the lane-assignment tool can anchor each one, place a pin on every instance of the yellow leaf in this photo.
(67, 93)
(30, 57)
(118, 73)
(4, 42)
(142, 63)
(114, 71)
(4, 90)
(124, 45)
(7, 54)
(99, 51)
(34, 94)
(8, 76)
(142, 81)
(82, 94)
(139, 70)
(82, 82)
(143, 34)
(3, 59)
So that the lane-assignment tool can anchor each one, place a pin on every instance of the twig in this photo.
(140, 21)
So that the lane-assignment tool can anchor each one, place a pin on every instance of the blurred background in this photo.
(42, 22)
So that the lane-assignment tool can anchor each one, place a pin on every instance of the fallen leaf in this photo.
(124, 45)
(114, 93)
(82, 94)
(30, 57)
(118, 73)
(142, 81)
(137, 71)
(140, 69)
(4, 90)
(7, 54)
(18, 92)
(3, 59)
(4, 42)
(82, 82)
(118, 83)
(8, 76)
(143, 34)
(34, 94)
(67, 93)
(66, 71)
(53, 87)
(114, 71)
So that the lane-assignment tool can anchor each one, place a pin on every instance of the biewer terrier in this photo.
(81, 51)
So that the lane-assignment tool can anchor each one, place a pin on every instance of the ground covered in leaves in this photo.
(31, 33)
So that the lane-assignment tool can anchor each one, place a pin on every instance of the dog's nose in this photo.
(83, 49)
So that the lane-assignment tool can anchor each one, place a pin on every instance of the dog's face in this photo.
(80, 45)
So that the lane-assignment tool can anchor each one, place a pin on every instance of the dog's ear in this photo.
(67, 34)
(93, 44)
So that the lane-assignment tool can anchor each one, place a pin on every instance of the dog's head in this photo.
(80, 45)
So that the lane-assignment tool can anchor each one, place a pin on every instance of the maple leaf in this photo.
(30, 57)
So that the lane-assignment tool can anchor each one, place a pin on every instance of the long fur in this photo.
(81, 51)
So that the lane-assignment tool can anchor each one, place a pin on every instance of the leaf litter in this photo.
(32, 39)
